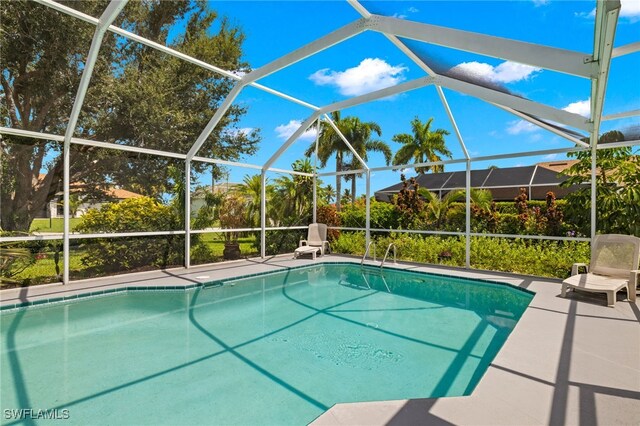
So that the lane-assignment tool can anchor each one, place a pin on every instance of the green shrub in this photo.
(532, 257)
(120, 254)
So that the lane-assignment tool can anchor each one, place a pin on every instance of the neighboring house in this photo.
(55, 208)
(198, 196)
(504, 184)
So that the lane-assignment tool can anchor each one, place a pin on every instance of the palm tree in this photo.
(422, 146)
(437, 207)
(292, 194)
(359, 135)
(330, 144)
(251, 188)
(329, 193)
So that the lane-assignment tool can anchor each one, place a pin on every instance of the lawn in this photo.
(44, 269)
(52, 225)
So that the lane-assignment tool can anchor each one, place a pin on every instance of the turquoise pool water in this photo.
(272, 349)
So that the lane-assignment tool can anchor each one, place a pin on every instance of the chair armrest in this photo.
(327, 245)
(303, 243)
(632, 287)
(575, 268)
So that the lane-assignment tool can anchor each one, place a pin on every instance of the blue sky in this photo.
(368, 62)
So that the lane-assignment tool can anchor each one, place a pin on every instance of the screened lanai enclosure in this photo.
(130, 142)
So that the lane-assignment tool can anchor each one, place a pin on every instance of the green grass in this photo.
(52, 225)
(44, 270)
(215, 242)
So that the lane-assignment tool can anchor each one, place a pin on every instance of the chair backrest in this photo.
(615, 255)
(317, 234)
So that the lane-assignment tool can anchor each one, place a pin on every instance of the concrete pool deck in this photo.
(568, 361)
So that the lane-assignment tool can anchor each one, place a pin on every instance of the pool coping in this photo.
(568, 361)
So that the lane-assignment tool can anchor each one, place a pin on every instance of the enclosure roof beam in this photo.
(303, 128)
(551, 58)
(169, 51)
(632, 113)
(543, 125)
(346, 141)
(378, 94)
(520, 104)
(323, 43)
(626, 49)
(607, 12)
(110, 13)
(217, 117)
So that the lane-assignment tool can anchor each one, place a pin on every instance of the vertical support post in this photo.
(315, 175)
(107, 17)
(594, 188)
(263, 213)
(467, 250)
(187, 214)
(367, 208)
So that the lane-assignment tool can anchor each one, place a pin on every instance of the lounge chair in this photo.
(316, 241)
(614, 266)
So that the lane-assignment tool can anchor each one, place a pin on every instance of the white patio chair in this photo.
(316, 241)
(614, 265)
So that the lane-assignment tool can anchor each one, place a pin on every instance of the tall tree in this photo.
(359, 134)
(137, 96)
(329, 145)
(423, 146)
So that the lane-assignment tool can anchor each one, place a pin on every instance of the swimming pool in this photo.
(267, 349)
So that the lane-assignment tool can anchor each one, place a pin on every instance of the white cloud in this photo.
(404, 13)
(506, 72)
(520, 126)
(370, 75)
(629, 9)
(285, 131)
(538, 3)
(580, 107)
(550, 157)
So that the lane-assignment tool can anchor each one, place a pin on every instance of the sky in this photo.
(370, 62)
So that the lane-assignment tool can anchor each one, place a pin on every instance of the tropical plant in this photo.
(617, 189)
(251, 188)
(232, 215)
(422, 146)
(437, 207)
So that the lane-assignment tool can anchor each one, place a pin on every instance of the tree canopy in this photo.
(137, 96)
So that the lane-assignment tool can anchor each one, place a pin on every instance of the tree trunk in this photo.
(353, 189)
(338, 181)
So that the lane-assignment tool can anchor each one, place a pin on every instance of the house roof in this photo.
(542, 175)
(112, 191)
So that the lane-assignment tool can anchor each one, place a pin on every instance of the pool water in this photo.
(269, 349)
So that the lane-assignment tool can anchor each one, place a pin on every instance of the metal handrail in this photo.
(366, 252)
(387, 253)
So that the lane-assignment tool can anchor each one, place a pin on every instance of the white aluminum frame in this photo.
(595, 67)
